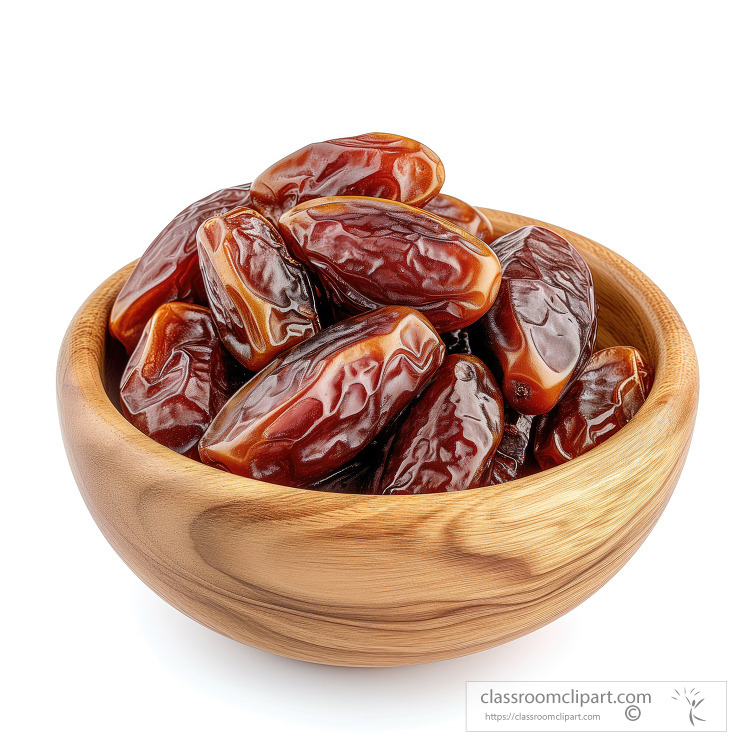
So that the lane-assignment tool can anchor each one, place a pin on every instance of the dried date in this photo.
(380, 165)
(317, 405)
(462, 214)
(541, 329)
(610, 390)
(261, 298)
(450, 434)
(168, 271)
(175, 382)
(370, 252)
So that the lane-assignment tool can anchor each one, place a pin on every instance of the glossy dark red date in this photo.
(261, 298)
(541, 329)
(176, 379)
(462, 214)
(317, 405)
(168, 271)
(610, 390)
(449, 435)
(381, 165)
(369, 252)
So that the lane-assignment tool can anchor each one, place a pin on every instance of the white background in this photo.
(626, 122)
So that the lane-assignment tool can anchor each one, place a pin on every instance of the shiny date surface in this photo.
(610, 390)
(541, 329)
(168, 271)
(449, 435)
(461, 213)
(175, 382)
(317, 405)
(370, 252)
(261, 298)
(380, 165)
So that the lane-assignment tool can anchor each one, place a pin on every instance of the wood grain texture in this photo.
(379, 581)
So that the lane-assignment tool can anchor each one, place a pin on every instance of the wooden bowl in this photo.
(378, 581)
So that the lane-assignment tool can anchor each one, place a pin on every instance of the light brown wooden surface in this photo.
(379, 581)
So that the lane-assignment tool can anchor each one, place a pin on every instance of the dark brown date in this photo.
(370, 252)
(261, 298)
(168, 271)
(450, 433)
(541, 330)
(465, 216)
(318, 404)
(175, 382)
(381, 165)
(514, 456)
(610, 390)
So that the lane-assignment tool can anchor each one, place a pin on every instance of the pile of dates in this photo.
(340, 324)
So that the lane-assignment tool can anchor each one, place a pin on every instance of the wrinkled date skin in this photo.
(541, 330)
(514, 456)
(370, 252)
(450, 434)
(610, 390)
(465, 216)
(321, 402)
(380, 165)
(175, 382)
(168, 271)
(261, 298)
